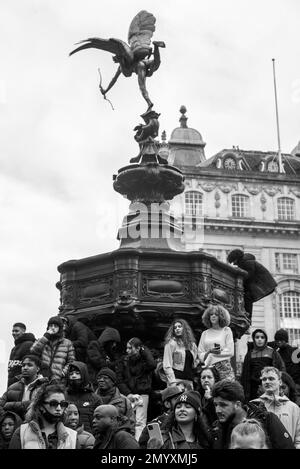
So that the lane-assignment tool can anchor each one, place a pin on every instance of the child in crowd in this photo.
(248, 435)
(72, 420)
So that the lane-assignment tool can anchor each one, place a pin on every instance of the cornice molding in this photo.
(251, 226)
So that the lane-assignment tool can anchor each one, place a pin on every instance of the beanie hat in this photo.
(55, 320)
(108, 372)
(169, 392)
(262, 332)
(282, 334)
(190, 397)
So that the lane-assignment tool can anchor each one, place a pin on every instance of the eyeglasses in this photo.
(54, 403)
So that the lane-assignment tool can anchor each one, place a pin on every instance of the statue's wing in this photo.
(141, 30)
(115, 46)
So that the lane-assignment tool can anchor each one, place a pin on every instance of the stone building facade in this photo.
(238, 199)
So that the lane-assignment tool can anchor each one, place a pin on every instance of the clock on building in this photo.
(230, 163)
(273, 167)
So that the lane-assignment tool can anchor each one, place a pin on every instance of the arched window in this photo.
(193, 203)
(240, 206)
(286, 208)
(290, 305)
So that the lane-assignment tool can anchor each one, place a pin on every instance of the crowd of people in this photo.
(72, 390)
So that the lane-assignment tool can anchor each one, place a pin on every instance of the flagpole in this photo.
(281, 170)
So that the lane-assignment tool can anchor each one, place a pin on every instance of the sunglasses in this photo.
(54, 404)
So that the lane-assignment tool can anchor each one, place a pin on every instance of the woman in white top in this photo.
(180, 353)
(216, 345)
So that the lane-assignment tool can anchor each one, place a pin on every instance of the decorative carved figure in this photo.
(137, 57)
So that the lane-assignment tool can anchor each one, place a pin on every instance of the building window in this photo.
(286, 262)
(286, 208)
(193, 203)
(290, 305)
(240, 206)
(294, 337)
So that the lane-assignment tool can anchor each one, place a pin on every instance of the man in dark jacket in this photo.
(107, 431)
(19, 395)
(80, 393)
(291, 357)
(23, 342)
(229, 403)
(258, 283)
(79, 334)
(110, 394)
(103, 353)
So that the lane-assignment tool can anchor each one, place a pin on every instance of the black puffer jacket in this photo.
(100, 355)
(80, 335)
(135, 375)
(21, 348)
(83, 397)
(12, 398)
(259, 282)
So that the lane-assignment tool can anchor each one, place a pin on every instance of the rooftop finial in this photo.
(183, 118)
(163, 136)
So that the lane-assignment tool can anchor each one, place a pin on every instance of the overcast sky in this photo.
(61, 142)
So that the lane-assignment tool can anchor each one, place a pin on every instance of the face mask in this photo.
(49, 417)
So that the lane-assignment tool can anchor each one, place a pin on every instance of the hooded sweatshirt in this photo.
(83, 396)
(98, 354)
(80, 335)
(287, 411)
(17, 420)
(21, 348)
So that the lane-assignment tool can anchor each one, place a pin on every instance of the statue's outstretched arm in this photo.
(111, 84)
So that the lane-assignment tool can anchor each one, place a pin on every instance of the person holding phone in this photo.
(169, 397)
(186, 428)
(216, 346)
(180, 353)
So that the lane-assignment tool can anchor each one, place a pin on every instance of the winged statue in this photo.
(135, 57)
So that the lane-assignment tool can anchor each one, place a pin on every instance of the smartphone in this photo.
(154, 431)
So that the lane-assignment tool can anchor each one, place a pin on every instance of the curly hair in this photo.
(188, 338)
(219, 310)
(45, 390)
